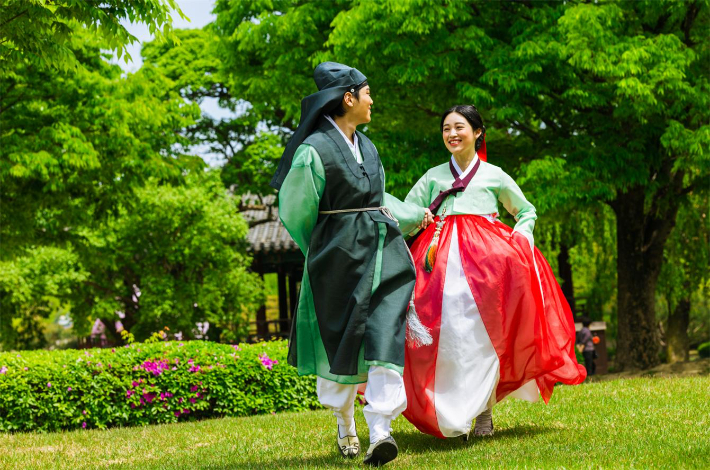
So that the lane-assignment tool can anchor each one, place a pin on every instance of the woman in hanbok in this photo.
(499, 321)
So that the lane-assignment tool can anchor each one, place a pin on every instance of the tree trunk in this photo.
(677, 332)
(112, 335)
(641, 235)
(564, 269)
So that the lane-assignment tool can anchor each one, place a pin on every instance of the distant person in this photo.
(585, 345)
(350, 326)
(500, 324)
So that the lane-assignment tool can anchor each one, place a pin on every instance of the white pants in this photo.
(385, 397)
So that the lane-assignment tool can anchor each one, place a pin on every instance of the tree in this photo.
(685, 271)
(73, 147)
(32, 286)
(615, 94)
(94, 165)
(174, 257)
(250, 152)
(39, 32)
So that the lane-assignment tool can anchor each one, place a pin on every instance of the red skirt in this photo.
(521, 305)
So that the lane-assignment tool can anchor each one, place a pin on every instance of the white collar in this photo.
(353, 145)
(462, 174)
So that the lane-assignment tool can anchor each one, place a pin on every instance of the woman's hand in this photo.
(428, 219)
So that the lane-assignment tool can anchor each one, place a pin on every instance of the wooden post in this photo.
(262, 328)
(283, 299)
(564, 269)
(293, 301)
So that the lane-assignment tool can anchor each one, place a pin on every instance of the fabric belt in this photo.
(385, 211)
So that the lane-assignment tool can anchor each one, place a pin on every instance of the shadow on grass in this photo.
(412, 443)
(334, 461)
(418, 443)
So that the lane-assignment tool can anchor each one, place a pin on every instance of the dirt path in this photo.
(679, 369)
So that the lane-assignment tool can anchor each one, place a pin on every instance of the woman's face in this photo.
(459, 136)
(361, 108)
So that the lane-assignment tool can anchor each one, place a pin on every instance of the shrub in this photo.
(147, 383)
(704, 350)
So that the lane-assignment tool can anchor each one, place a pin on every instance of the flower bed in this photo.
(146, 383)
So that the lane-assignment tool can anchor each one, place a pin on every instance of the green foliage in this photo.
(687, 254)
(249, 152)
(33, 286)
(704, 350)
(269, 62)
(39, 32)
(95, 163)
(191, 62)
(163, 382)
(250, 170)
(74, 147)
(174, 257)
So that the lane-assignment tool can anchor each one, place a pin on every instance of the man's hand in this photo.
(428, 219)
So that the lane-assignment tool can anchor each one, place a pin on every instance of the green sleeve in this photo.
(514, 202)
(408, 214)
(419, 194)
(300, 195)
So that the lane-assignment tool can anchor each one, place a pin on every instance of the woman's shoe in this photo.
(349, 446)
(484, 424)
(381, 452)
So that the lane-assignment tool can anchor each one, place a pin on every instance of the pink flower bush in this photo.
(158, 386)
(148, 398)
(266, 361)
(155, 367)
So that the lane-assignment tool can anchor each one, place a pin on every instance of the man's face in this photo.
(361, 109)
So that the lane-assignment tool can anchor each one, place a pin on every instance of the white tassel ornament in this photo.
(417, 334)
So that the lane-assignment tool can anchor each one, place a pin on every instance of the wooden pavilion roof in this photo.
(269, 242)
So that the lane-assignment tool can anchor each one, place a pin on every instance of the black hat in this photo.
(333, 81)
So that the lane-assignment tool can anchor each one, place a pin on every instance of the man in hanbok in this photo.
(350, 324)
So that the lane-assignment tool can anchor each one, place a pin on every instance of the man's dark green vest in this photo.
(342, 258)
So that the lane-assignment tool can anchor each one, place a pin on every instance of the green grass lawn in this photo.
(641, 423)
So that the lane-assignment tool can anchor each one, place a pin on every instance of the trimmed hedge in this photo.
(147, 383)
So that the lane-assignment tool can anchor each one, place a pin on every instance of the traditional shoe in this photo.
(349, 446)
(381, 452)
(484, 424)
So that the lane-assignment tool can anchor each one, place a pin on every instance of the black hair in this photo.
(340, 109)
(473, 117)
(586, 321)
